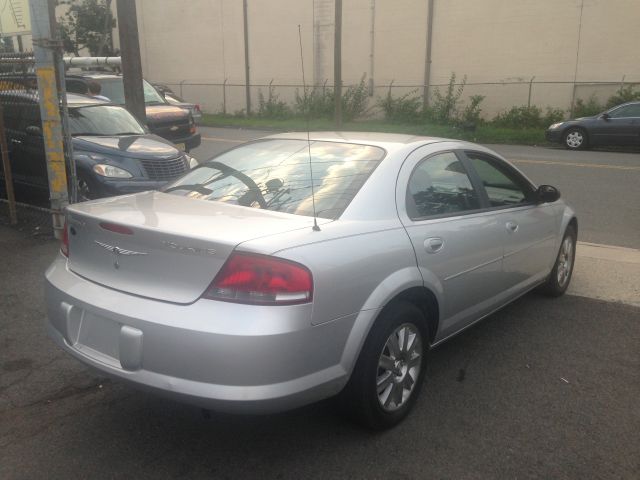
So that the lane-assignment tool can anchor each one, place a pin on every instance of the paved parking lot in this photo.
(546, 388)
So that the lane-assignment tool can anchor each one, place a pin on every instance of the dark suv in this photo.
(168, 121)
(113, 152)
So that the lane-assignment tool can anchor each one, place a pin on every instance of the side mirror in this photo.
(34, 130)
(605, 116)
(547, 194)
(274, 185)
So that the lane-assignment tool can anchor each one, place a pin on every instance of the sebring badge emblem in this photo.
(117, 251)
(188, 250)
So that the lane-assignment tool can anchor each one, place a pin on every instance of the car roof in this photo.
(76, 99)
(73, 99)
(387, 141)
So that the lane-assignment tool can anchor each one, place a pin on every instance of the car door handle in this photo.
(16, 141)
(512, 227)
(433, 244)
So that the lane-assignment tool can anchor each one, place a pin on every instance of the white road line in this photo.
(225, 140)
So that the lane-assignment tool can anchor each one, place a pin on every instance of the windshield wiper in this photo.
(90, 134)
(194, 187)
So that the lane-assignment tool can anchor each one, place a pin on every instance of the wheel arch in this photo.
(426, 299)
(573, 222)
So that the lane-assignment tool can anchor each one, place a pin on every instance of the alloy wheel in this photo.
(84, 191)
(574, 139)
(399, 367)
(565, 261)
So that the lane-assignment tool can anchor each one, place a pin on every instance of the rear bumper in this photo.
(223, 356)
(190, 142)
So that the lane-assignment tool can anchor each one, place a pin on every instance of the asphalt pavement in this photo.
(545, 388)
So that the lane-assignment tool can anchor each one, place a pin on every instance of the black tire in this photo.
(575, 138)
(85, 189)
(560, 276)
(361, 397)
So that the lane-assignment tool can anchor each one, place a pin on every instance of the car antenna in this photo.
(316, 228)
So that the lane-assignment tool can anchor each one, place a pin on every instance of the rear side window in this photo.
(628, 111)
(504, 186)
(276, 175)
(440, 185)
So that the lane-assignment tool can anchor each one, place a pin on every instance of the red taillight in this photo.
(262, 280)
(196, 107)
(64, 246)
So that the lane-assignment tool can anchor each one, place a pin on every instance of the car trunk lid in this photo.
(163, 246)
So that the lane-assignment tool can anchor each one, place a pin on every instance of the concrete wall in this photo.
(489, 41)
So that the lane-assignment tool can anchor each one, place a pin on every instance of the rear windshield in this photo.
(113, 89)
(276, 175)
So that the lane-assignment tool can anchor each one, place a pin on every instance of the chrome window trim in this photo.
(480, 213)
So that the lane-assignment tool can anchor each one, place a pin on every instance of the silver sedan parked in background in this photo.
(286, 271)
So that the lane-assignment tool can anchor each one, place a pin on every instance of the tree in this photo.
(88, 24)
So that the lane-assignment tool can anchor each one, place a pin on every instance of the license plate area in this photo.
(98, 338)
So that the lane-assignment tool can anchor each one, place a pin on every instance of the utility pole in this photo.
(337, 64)
(427, 59)
(247, 78)
(131, 64)
(44, 46)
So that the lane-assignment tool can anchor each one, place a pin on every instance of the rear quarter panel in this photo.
(356, 276)
(355, 265)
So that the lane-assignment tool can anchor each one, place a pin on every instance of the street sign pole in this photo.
(43, 46)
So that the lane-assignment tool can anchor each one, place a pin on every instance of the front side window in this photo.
(504, 186)
(276, 175)
(103, 120)
(440, 185)
(20, 113)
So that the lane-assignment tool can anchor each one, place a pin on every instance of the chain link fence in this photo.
(23, 178)
(229, 98)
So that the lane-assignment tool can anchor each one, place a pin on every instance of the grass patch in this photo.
(484, 133)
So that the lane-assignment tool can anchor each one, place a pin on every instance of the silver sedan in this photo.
(290, 270)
